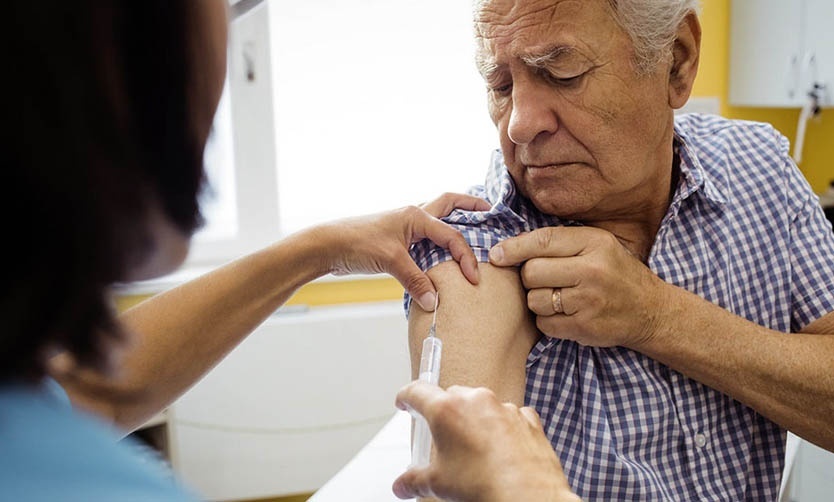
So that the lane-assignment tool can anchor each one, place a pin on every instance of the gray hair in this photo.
(652, 26)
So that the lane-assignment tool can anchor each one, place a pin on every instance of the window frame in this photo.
(250, 89)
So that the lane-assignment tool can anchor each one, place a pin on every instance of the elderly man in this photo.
(665, 261)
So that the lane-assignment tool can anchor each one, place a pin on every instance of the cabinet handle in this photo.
(792, 77)
(809, 71)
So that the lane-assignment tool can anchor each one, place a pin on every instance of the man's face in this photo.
(583, 134)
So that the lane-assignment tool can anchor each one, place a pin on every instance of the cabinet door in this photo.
(766, 52)
(818, 62)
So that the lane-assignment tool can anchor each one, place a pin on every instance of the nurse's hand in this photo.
(379, 243)
(483, 449)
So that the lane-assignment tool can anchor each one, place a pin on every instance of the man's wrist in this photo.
(659, 313)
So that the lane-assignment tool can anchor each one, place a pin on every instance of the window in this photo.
(338, 108)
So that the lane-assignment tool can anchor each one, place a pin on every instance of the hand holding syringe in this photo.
(429, 372)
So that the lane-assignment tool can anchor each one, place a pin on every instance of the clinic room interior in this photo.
(390, 112)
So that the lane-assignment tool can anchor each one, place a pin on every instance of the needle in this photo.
(434, 316)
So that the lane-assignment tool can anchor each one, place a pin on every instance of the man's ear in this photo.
(685, 56)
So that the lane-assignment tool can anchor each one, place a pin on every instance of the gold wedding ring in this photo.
(556, 301)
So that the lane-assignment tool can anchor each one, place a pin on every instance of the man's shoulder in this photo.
(716, 133)
(735, 154)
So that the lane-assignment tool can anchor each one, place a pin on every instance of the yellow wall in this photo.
(322, 293)
(818, 153)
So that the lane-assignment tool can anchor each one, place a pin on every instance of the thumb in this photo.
(413, 483)
(532, 417)
(554, 242)
(415, 281)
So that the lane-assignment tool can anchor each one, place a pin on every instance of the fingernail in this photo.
(496, 254)
(399, 489)
(427, 301)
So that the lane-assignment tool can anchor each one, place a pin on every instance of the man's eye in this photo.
(501, 90)
(563, 81)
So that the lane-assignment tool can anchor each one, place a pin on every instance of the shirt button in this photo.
(700, 440)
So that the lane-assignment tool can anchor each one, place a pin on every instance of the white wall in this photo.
(293, 403)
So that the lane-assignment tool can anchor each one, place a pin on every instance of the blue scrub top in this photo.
(50, 452)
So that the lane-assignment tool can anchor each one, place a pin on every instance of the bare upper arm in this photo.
(487, 331)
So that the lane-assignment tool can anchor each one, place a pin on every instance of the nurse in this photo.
(111, 104)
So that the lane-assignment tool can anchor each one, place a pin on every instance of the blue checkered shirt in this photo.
(744, 231)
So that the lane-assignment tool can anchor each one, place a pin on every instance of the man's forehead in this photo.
(495, 15)
(531, 28)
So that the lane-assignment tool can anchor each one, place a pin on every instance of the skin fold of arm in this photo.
(486, 330)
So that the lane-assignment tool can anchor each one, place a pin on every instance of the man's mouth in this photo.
(555, 165)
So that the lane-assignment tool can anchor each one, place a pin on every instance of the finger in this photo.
(543, 242)
(532, 417)
(563, 327)
(564, 272)
(413, 483)
(415, 281)
(447, 237)
(447, 202)
(419, 396)
(540, 301)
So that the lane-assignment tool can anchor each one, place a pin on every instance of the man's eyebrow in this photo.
(536, 59)
(486, 66)
(542, 58)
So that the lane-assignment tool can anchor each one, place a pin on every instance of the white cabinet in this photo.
(819, 28)
(292, 403)
(779, 50)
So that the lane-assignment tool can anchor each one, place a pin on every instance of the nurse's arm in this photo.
(177, 336)
(183, 333)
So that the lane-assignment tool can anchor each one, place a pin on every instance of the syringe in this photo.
(429, 372)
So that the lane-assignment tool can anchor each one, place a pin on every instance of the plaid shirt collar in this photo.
(693, 177)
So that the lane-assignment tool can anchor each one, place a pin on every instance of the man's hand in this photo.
(484, 450)
(584, 285)
(379, 243)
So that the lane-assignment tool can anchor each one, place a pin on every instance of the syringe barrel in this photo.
(429, 372)
(421, 445)
(430, 360)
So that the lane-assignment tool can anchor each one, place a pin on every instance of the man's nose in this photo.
(532, 113)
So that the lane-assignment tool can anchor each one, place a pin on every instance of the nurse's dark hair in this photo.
(100, 133)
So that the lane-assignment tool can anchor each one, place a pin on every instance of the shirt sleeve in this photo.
(812, 256)
(480, 229)
(509, 215)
